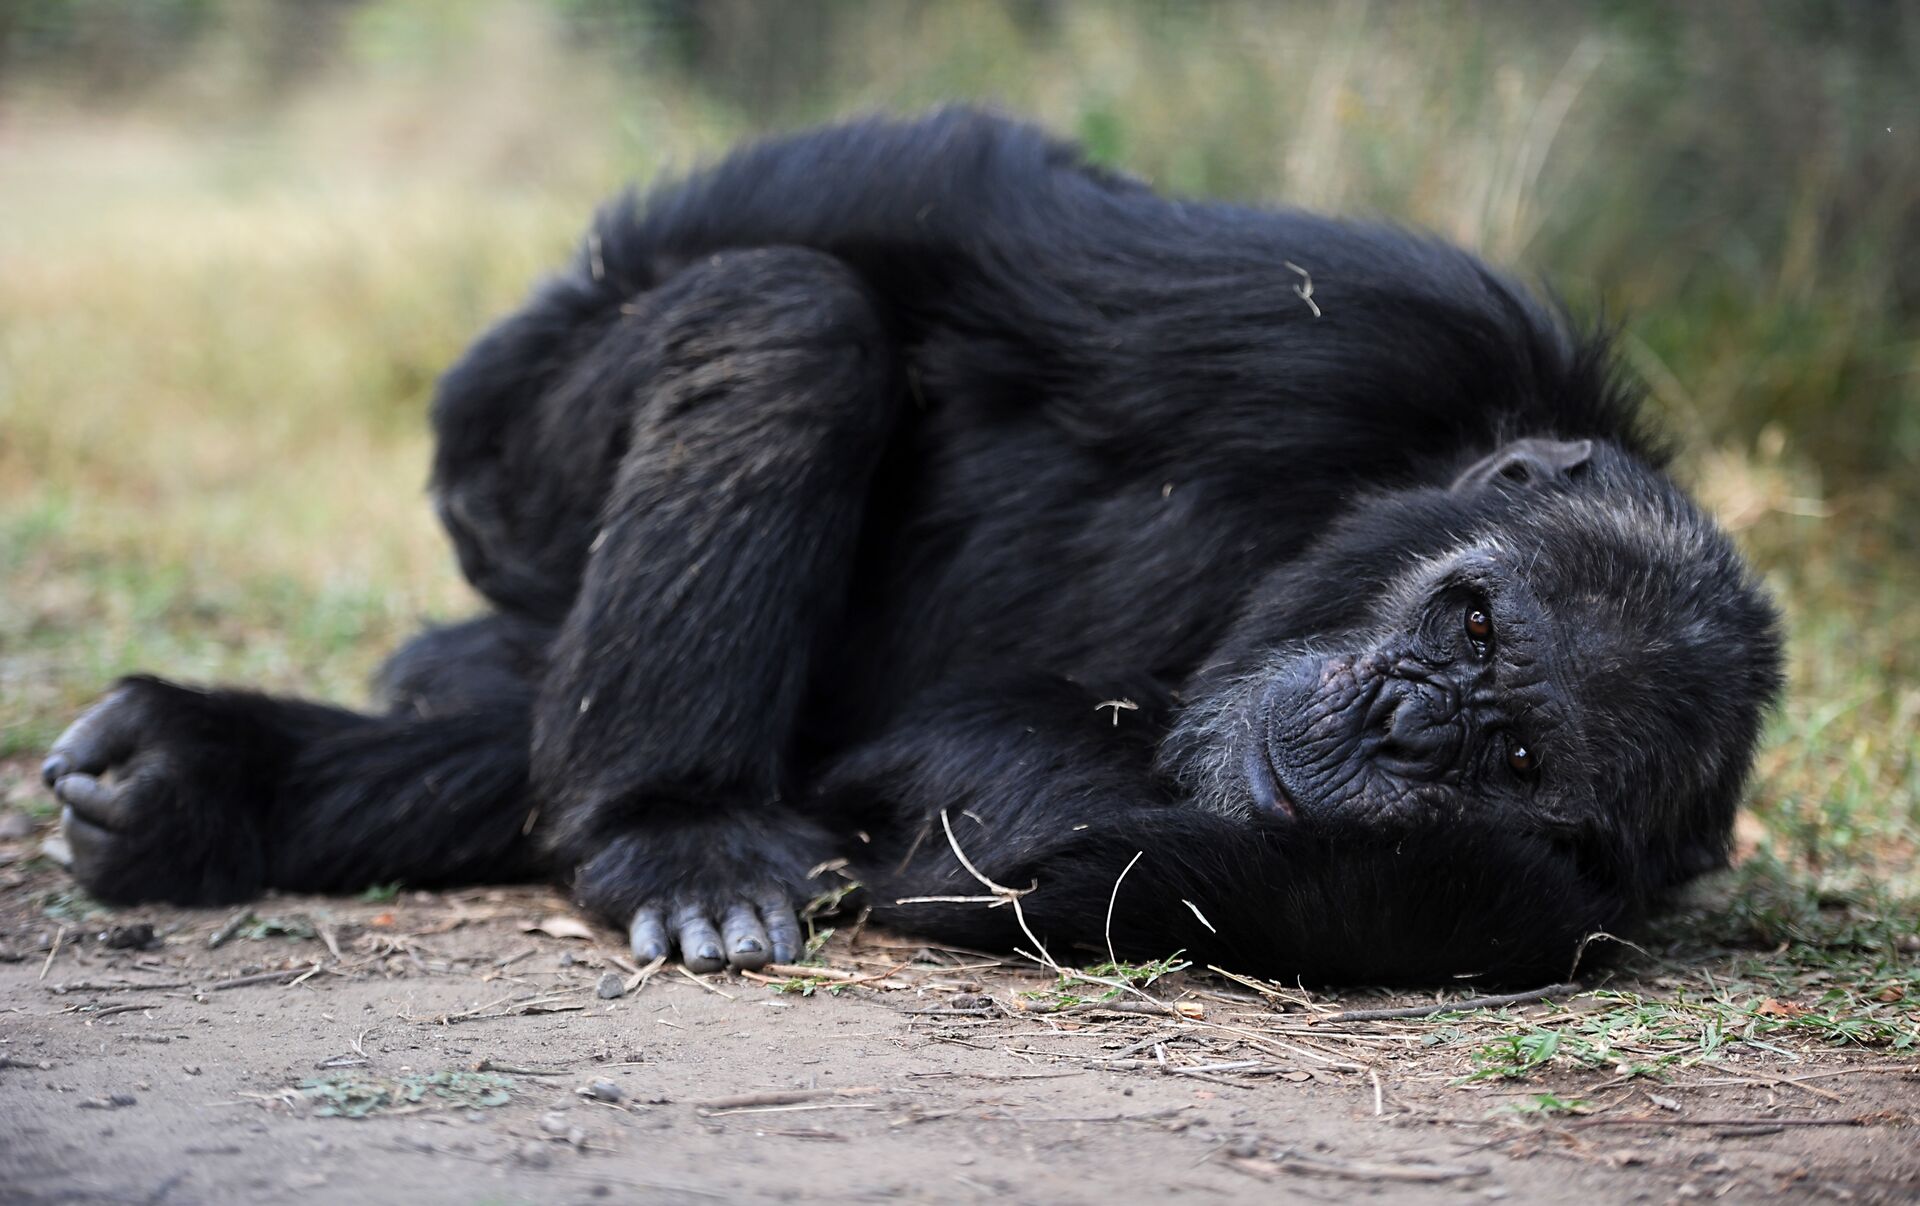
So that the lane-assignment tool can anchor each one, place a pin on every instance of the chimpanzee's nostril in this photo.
(1381, 711)
(1417, 729)
(1412, 726)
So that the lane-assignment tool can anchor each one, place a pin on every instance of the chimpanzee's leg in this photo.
(463, 667)
(766, 390)
(203, 797)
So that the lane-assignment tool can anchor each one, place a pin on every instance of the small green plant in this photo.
(1512, 1056)
(1550, 1105)
(277, 927)
(360, 1095)
(816, 942)
(1140, 975)
(824, 905)
(381, 893)
(71, 905)
(806, 986)
(1100, 982)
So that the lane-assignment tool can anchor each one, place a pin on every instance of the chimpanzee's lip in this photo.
(1264, 781)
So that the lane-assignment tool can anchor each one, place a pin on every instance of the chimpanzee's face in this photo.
(1578, 654)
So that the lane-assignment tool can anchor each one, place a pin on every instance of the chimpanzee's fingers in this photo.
(86, 841)
(700, 949)
(783, 927)
(747, 945)
(104, 734)
(91, 800)
(648, 936)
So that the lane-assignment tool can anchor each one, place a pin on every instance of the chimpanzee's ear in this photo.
(1527, 462)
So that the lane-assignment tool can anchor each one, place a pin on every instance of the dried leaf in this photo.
(1772, 1007)
(561, 926)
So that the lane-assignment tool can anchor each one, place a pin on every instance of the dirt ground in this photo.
(442, 1048)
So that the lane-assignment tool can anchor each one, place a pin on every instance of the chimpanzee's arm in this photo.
(1045, 784)
(1046, 796)
(765, 391)
(205, 797)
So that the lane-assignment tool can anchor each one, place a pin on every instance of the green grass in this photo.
(221, 311)
(1764, 959)
(1099, 982)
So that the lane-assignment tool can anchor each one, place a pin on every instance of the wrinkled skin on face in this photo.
(1456, 698)
(1544, 651)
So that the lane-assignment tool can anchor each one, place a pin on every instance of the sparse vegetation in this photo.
(359, 1094)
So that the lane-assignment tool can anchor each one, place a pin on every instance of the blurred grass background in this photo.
(239, 238)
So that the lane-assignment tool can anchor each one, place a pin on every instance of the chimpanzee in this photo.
(918, 501)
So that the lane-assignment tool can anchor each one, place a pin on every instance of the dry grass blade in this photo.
(782, 1097)
(1470, 1003)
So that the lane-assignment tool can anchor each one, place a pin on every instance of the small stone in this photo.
(135, 937)
(190, 1069)
(555, 1124)
(604, 1090)
(611, 987)
(113, 1101)
(533, 1154)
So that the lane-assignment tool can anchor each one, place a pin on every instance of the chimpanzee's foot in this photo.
(724, 891)
(165, 793)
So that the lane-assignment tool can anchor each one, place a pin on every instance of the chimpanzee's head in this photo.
(1559, 644)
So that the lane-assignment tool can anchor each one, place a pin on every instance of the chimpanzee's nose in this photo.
(1419, 728)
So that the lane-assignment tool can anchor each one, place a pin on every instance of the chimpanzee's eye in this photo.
(1479, 628)
(1522, 760)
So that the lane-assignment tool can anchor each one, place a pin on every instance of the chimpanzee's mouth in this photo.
(1264, 782)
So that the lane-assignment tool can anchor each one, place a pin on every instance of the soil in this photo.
(251, 1070)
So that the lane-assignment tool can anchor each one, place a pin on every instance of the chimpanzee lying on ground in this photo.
(899, 476)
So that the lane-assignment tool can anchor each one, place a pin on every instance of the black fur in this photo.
(904, 475)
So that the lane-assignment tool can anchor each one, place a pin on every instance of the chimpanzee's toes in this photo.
(648, 936)
(54, 768)
(700, 949)
(747, 945)
(783, 927)
(715, 893)
(746, 936)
